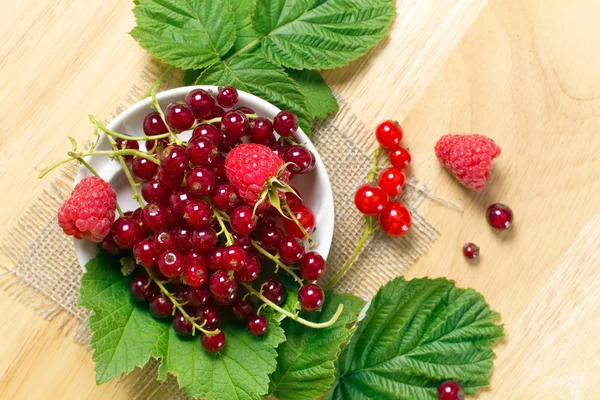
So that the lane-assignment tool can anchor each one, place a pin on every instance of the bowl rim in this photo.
(328, 213)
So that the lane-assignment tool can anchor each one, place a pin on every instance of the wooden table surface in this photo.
(524, 72)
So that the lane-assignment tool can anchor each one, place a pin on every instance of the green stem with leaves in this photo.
(278, 262)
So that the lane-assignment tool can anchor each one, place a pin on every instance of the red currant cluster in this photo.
(374, 200)
(197, 246)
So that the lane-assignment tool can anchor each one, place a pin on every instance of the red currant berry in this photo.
(290, 249)
(225, 197)
(161, 307)
(270, 237)
(293, 200)
(257, 324)
(274, 291)
(242, 309)
(261, 131)
(227, 97)
(156, 217)
(200, 182)
(221, 285)
(193, 257)
(243, 241)
(154, 125)
(141, 289)
(450, 390)
(181, 325)
(302, 159)
(389, 134)
(285, 123)
(178, 201)
(226, 300)
(183, 237)
(196, 297)
(215, 259)
(369, 199)
(198, 213)
(391, 181)
(279, 150)
(221, 172)
(143, 168)
(306, 218)
(470, 251)
(235, 124)
(201, 103)
(213, 343)
(203, 152)
(154, 192)
(138, 217)
(144, 253)
(156, 146)
(218, 112)
(242, 220)
(250, 271)
(195, 275)
(311, 297)
(312, 266)
(395, 219)
(179, 117)
(123, 144)
(499, 216)
(246, 110)
(171, 263)
(400, 157)
(210, 314)
(168, 181)
(204, 239)
(126, 232)
(227, 143)
(174, 160)
(207, 131)
(109, 246)
(234, 257)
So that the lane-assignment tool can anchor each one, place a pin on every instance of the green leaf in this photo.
(125, 336)
(240, 371)
(320, 34)
(245, 33)
(321, 101)
(417, 334)
(252, 73)
(305, 361)
(189, 34)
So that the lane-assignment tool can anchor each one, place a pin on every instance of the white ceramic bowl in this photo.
(314, 187)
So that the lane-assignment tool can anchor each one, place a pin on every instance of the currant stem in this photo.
(156, 106)
(136, 194)
(109, 132)
(295, 317)
(159, 82)
(287, 208)
(124, 152)
(217, 214)
(179, 306)
(277, 261)
(219, 119)
(375, 166)
(369, 230)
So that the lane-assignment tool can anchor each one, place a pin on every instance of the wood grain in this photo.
(524, 74)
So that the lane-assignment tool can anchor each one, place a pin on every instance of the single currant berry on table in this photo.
(200, 182)
(270, 237)
(210, 315)
(141, 289)
(468, 157)
(395, 219)
(470, 251)
(302, 159)
(400, 157)
(154, 125)
(183, 237)
(161, 307)
(450, 390)
(391, 180)
(195, 275)
(171, 263)
(143, 168)
(145, 254)
(242, 220)
(196, 296)
(234, 257)
(234, 124)
(213, 343)
(89, 211)
(290, 249)
(178, 200)
(225, 197)
(250, 271)
(179, 116)
(389, 134)
(204, 239)
(261, 131)
(201, 103)
(197, 213)
(215, 259)
(109, 246)
(242, 309)
(207, 131)
(227, 97)
(174, 160)
(203, 152)
(369, 199)
(285, 123)
(305, 217)
(154, 192)
(126, 232)
(181, 325)
(156, 217)
(221, 285)
(312, 266)
(311, 297)
(257, 324)
(242, 240)
(499, 216)
(123, 144)
(274, 291)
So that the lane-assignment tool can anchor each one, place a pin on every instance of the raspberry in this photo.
(468, 157)
(90, 210)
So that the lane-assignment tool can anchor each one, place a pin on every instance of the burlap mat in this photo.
(46, 275)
